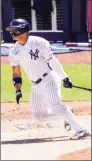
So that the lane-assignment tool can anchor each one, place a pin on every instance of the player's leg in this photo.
(38, 104)
(67, 126)
(52, 98)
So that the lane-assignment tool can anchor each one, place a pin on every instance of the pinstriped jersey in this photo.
(33, 57)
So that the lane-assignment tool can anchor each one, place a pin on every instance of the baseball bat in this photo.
(87, 89)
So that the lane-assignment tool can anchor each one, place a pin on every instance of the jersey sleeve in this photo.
(52, 61)
(12, 57)
(47, 52)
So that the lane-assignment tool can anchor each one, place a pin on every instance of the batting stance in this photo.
(36, 58)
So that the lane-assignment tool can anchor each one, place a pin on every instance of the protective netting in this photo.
(60, 12)
(45, 22)
(23, 9)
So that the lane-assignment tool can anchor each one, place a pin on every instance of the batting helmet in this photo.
(18, 27)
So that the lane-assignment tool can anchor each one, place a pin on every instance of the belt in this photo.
(40, 79)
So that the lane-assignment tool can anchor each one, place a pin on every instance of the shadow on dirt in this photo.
(37, 140)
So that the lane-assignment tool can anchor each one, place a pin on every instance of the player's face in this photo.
(17, 37)
(22, 39)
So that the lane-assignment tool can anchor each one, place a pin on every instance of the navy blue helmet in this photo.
(18, 27)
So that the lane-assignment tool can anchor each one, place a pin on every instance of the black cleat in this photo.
(67, 126)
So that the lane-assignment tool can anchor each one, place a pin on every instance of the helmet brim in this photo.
(10, 29)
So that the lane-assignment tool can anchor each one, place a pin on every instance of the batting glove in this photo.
(67, 83)
(18, 96)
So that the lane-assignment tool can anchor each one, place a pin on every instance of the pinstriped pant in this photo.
(46, 102)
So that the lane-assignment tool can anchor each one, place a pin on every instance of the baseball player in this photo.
(36, 58)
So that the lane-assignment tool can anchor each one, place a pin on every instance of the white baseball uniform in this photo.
(37, 60)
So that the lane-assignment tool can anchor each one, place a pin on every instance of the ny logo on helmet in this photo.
(34, 55)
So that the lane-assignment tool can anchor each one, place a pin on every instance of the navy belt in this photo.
(40, 79)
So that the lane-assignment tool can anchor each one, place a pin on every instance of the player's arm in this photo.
(17, 78)
(56, 66)
(16, 73)
(17, 81)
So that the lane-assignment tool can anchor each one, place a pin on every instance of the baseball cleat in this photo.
(80, 134)
(67, 126)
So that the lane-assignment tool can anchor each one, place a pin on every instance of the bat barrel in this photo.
(88, 89)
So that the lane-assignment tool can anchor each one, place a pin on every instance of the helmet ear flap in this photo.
(23, 30)
(27, 27)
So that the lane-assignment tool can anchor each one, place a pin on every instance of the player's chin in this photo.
(15, 37)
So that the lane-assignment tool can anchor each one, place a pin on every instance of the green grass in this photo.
(80, 74)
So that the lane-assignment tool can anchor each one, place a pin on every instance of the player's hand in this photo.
(18, 96)
(67, 83)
